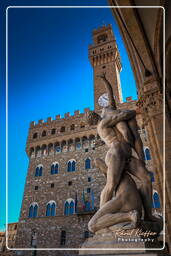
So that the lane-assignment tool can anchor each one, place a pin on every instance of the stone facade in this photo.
(12, 230)
(58, 142)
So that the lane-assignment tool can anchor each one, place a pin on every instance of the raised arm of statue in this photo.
(109, 90)
(123, 115)
(138, 142)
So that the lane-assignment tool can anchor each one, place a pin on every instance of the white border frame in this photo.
(85, 249)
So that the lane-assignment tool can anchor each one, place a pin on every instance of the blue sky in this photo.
(48, 65)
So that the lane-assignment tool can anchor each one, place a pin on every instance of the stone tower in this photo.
(62, 189)
(104, 57)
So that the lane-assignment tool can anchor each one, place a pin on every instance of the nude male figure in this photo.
(118, 129)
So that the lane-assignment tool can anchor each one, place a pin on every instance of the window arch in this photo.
(33, 210)
(87, 163)
(51, 208)
(54, 168)
(147, 154)
(71, 165)
(69, 207)
(43, 133)
(39, 170)
(156, 199)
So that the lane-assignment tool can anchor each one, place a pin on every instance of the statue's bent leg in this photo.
(137, 168)
(111, 206)
(110, 220)
(115, 164)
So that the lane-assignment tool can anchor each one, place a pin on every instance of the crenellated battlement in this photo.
(102, 29)
(68, 116)
(59, 118)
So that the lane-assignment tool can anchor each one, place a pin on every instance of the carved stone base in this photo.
(121, 242)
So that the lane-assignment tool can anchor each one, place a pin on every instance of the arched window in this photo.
(48, 209)
(87, 163)
(35, 135)
(62, 129)
(53, 131)
(39, 171)
(43, 133)
(71, 145)
(69, 207)
(38, 151)
(151, 176)
(72, 127)
(77, 144)
(71, 166)
(50, 149)
(44, 150)
(31, 152)
(156, 200)
(57, 147)
(66, 208)
(54, 168)
(85, 142)
(71, 210)
(92, 140)
(63, 237)
(64, 147)
(51, 209)
(147, 154)
(33, 210)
